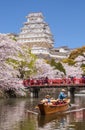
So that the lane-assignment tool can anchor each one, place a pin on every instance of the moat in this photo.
(14, 115)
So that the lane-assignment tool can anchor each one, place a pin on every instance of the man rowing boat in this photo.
(62, 95)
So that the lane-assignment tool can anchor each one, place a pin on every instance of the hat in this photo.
(63, 90)
(47, 96)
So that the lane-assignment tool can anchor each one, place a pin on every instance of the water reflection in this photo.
(14, 115)
(30, 122)
(43, 120)
(11, 112)
(63, 121)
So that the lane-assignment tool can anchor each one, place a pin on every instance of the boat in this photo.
(46, 109)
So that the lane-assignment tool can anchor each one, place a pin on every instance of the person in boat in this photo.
(62, 95)
(47, 99)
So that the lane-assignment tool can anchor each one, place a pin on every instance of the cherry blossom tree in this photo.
(23, 61)
(46, 70)
(8, 76)
(73, 70)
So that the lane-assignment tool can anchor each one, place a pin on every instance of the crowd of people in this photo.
(46, 80)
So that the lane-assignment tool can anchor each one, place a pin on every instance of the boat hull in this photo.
(46, 109)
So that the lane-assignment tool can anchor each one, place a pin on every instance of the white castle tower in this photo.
(36, 32)
(36, 35)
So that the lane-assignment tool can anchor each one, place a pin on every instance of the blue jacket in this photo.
(61, 96)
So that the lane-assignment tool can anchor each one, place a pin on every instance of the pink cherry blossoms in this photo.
(45, 70)
(8, 75)
(8, 78)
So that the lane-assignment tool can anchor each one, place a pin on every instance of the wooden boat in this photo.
(46, 109)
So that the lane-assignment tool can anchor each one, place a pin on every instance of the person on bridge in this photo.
(62, 95)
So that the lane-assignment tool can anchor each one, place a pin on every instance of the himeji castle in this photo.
(37, 35)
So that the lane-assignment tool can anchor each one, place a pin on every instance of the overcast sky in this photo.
(66, 18)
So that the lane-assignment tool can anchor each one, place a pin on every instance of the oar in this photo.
(70, 104)
(32, 112)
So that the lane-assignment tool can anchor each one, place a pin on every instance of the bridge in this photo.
(56, 85)
(58, 82)
(34, 85)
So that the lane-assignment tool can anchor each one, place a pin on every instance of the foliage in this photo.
(77, 52)
(57, 65)
(14, 38)
(46, 70)
(60, 67)
(69, 61)
(83, 68)
(83, 65)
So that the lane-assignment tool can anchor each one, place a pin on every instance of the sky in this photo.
(66, 18)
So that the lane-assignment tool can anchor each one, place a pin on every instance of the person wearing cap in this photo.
(62, 95)
(47, 97)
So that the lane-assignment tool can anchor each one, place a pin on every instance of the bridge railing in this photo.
(59, 81)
